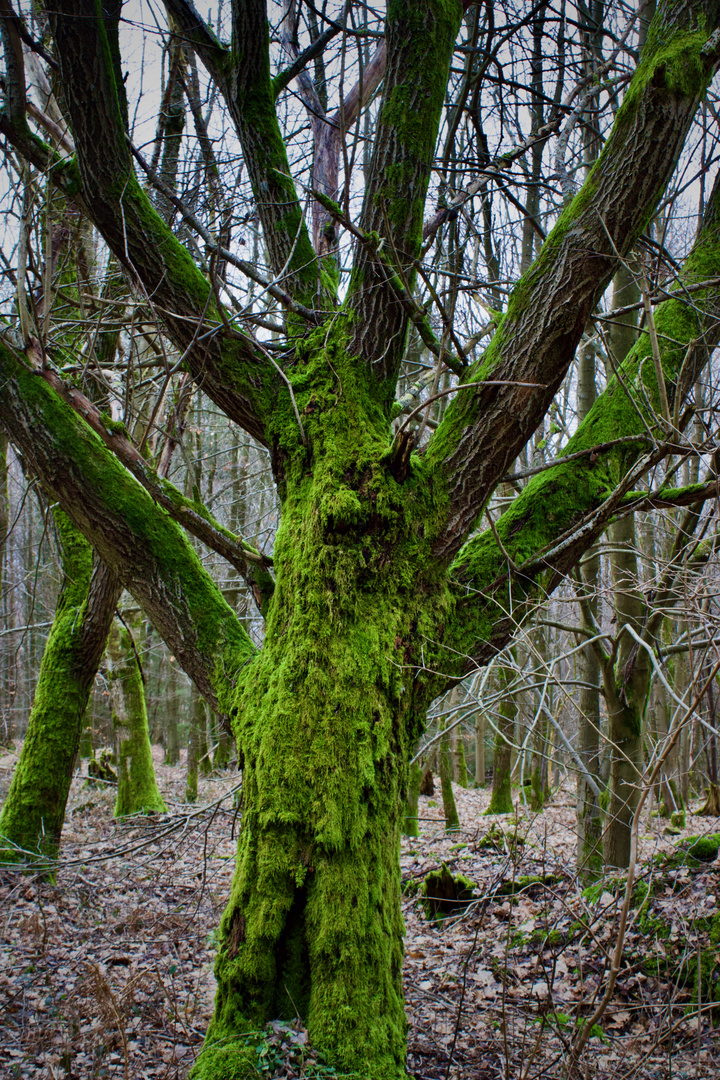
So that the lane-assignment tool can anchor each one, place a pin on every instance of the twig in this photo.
(466, 386)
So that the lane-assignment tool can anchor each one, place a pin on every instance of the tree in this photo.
(381, 591)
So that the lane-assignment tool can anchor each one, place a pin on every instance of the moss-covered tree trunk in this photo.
(501, 797)
(313, 926)
(138, 792)
(33, 813)
(412, 821)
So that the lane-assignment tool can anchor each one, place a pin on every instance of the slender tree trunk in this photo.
(412, 823)
(172, 707)
(198, 760)
(539, 761)
(204, 762)
(589, 814)
(626, 694)
(223, 746)
(501, 798)
(480, 729)
(137, 787)
(459, 760)
(452, 820)
(6, 724)
(33, 813)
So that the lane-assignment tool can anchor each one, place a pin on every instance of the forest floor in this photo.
(108, 973)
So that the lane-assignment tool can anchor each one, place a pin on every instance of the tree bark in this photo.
(501, 797)
(34, 811)
(138, 792)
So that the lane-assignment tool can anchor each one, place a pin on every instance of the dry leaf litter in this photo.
(108, 972)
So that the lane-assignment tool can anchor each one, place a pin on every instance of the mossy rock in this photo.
(445, 894)
(526, 881)
(693, 852)
(498, 838)
(493, 838)
(703, 848)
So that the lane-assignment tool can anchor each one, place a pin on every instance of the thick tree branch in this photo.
(242, 74)
(420, 40)
(482, 433)
(565, 509)
(106, 186)
(215, 56)
(135, 537)
(250, 563)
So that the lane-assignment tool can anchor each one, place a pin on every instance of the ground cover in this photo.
(108, 972)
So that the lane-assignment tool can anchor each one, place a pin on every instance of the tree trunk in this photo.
(34, 810)
(589, 814)
(313, 928)
(6, 723)
(137, 787)
(460, 762)
(223, 748)
(480, 729)
(204, 763)
(172, 708)
(626, 695)
(452, 820)
(198, 760)
(412, 823)
(501, 798)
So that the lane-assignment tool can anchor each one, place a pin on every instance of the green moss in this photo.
(702, 848)
(445, 894)
(525, 882)
(160, 548)
(34, 811)
(115, 427)
(555, 937)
